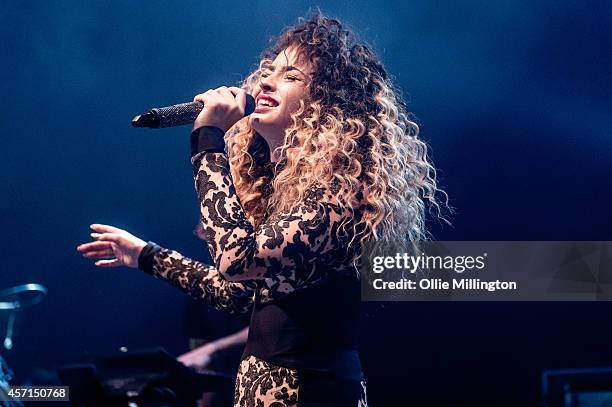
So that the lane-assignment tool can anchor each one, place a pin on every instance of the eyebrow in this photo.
(285, 68)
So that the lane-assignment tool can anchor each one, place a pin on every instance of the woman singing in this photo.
(328, 161)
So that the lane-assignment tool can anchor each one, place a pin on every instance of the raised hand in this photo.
(223, 107)
(113, 247)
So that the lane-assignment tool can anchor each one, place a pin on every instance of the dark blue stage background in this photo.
(513, 97)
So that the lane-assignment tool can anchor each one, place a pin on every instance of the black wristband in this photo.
(209, 139)
(145, 258)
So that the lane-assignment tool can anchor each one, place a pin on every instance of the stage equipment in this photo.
(142, 378)
(15, 298)
(577, 387)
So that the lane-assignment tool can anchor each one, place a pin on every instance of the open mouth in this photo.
(265, 102)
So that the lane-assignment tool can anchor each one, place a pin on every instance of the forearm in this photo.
(196, 279)
(230, 236)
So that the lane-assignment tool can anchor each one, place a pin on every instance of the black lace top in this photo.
(295, 271)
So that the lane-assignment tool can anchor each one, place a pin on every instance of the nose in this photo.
(266, 84)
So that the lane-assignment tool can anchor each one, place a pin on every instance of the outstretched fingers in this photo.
(106, 237)
(98, 227)
(100, 254)
(108, 263)
(93, 246)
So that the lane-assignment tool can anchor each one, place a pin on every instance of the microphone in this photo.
(178, 115)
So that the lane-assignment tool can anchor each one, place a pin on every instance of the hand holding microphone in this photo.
(187, 113)
(223, 107)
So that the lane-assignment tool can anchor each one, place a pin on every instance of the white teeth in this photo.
(265, 102)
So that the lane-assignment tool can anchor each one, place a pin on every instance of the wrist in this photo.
(145, 257)
(138, 248)
(207, 139)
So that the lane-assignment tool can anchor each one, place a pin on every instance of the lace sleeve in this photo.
(289, 251)
(199, 280)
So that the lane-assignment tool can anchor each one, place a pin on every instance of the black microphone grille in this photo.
(178, 115)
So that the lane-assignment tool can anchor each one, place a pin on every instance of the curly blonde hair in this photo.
(352, 129)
